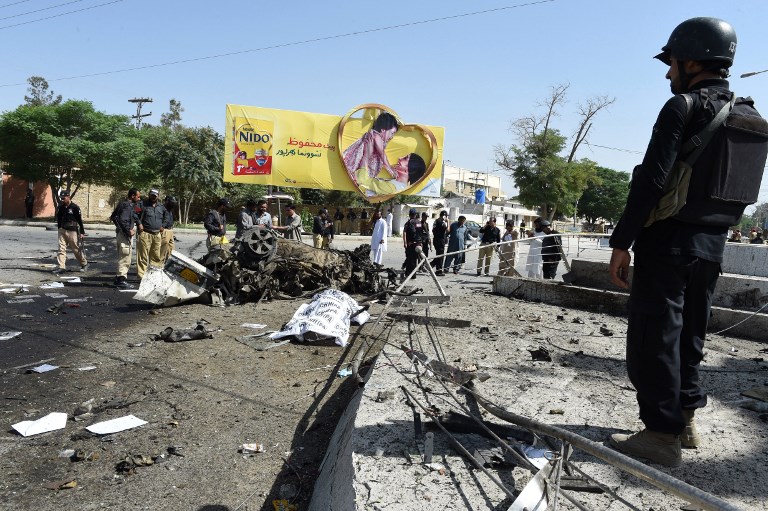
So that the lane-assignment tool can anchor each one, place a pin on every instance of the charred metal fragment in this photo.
(261, 265)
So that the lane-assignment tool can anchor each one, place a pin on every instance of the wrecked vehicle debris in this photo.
(181, 280)
(262, 265)
(192, 334)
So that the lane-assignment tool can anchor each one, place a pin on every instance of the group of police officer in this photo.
(153, 221)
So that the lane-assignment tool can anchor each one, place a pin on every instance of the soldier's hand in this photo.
(618, 268)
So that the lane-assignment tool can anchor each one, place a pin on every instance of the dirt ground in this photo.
(583, 389)
(203, 399)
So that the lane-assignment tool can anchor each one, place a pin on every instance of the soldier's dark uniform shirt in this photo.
(490, 235)
(212, 222)
(168, 222)
(673, 236)
(439, 230)
(70, 218)
(153, 217)
(413, 232)
(124, 217)
(318, 227)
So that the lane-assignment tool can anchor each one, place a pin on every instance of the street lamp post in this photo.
(442, 178)
(753, 73)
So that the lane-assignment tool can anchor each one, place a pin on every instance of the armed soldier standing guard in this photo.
(413, 237)
(124, 217)
(71, 231)
(703, 166)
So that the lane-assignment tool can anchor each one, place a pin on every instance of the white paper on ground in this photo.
(253, 325)
(4, 336)
(51, 422)
(13, 288)
(115, 425)
(86, 368)
(23, 300)
(44, 368)
(52, 285)
(76, 300)
(56, 295)
(72, 279)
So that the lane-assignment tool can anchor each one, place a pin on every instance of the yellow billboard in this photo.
(369, 150)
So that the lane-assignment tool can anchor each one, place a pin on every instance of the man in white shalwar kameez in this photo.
(389, 222)
(534, 262)
(378, 238)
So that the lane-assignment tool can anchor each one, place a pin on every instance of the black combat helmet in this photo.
(701, 39)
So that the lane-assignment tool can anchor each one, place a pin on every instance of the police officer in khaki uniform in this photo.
(151, 226)
(168, 243)
(69, 220)
(124, 217)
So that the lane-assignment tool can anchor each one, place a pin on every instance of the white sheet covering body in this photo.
(328, 315)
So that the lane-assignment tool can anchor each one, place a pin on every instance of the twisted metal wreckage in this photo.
(262, 265)
(558, 478)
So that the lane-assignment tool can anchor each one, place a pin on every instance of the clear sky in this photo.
(470, 73)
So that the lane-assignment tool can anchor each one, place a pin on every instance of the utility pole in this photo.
(139, 102)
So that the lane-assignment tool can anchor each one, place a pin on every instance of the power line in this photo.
(614, 148)
(40, 10)
(59, 15)
(14, 3)
(283, 45)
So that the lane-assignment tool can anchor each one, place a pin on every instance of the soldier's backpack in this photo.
(734, 182)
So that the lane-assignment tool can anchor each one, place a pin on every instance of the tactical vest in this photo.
(414, 231)
(725, 178)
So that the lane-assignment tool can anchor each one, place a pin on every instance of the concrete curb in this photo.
(334, 487)
(744, 292)
(748, 325)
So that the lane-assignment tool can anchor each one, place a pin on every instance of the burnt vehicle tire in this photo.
(262, 243)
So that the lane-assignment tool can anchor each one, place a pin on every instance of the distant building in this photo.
(459, 190)
(95, 201)
(465, 182)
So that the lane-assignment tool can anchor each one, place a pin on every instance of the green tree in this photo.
(239, 193)
(313, 196)
(172, 118)
(606, 196)
(39, 94)
(188, 161)
(758, 218)
(544, 175)
(68, 145)
(344, 199)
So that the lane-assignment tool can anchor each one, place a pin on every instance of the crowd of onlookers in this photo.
(151, 222)
(755, 237)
